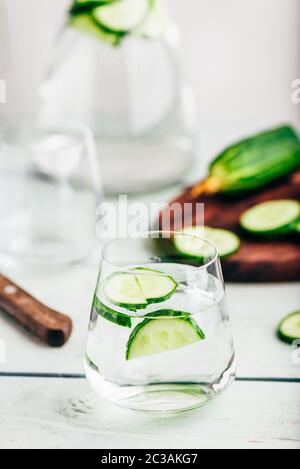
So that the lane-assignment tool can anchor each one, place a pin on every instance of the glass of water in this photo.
(159, 337)
(48, 185)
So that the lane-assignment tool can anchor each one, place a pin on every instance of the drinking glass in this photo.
(48, 185)
(159, 338)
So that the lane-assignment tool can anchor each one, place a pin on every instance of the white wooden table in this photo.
(46, 403)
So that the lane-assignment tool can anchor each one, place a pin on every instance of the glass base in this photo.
(168, 398)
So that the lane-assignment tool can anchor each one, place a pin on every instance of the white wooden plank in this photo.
(255, 311)
(69, 291)
(59, 413)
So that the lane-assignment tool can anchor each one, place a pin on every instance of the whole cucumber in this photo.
(253, 163)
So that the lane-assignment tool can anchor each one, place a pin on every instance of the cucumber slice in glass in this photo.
(86, 24)
(289, 328)
(122, 289)
(226, 242)
(156, 286)
(122, 16)
(110, 314)
(166, 330)
(140, 288)
(271, 218)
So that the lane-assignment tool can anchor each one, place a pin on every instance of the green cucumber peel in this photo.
(110, 314)
(289, 329)
(113, 19)
(135, 290)
(184, 326)
(226, 243)
(272, 218)
(87, 6)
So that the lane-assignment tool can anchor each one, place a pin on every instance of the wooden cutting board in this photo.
(257, 261)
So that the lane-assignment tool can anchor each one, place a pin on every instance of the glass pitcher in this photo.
(116, 69)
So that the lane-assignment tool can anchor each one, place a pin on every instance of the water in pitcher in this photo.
(132, 94)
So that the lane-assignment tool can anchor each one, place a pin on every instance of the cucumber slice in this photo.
(157, 22)
(226, 242)
(110, 314)
(86, 24)
(122, 289)
(86, 6)
(155, 285)
(167, 330)
(139, 289)
(271, 218)
(289, 328)
(123, 16)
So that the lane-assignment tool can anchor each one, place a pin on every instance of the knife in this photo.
(49, 326)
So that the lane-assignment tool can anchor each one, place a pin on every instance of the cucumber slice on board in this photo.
(271, 218)
(140, 288)
(110, 314)
(289, 328)
(122, 16)
(166, 330)
(86, 24)
(297, 227)
(226, 242)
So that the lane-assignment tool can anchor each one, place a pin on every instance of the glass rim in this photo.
(171, 233)
(83, 132)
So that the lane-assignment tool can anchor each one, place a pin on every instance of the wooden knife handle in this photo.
(48, 325)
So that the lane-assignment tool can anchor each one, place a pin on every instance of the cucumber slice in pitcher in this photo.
(122, 16)
(140, 288)
(86, 6)
(157, 22)
(226, 242)
(110, 314)
(167, 330)
(271, 218)
(86, 24)
(289, 328)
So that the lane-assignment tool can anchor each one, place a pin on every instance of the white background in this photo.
(240, 55)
